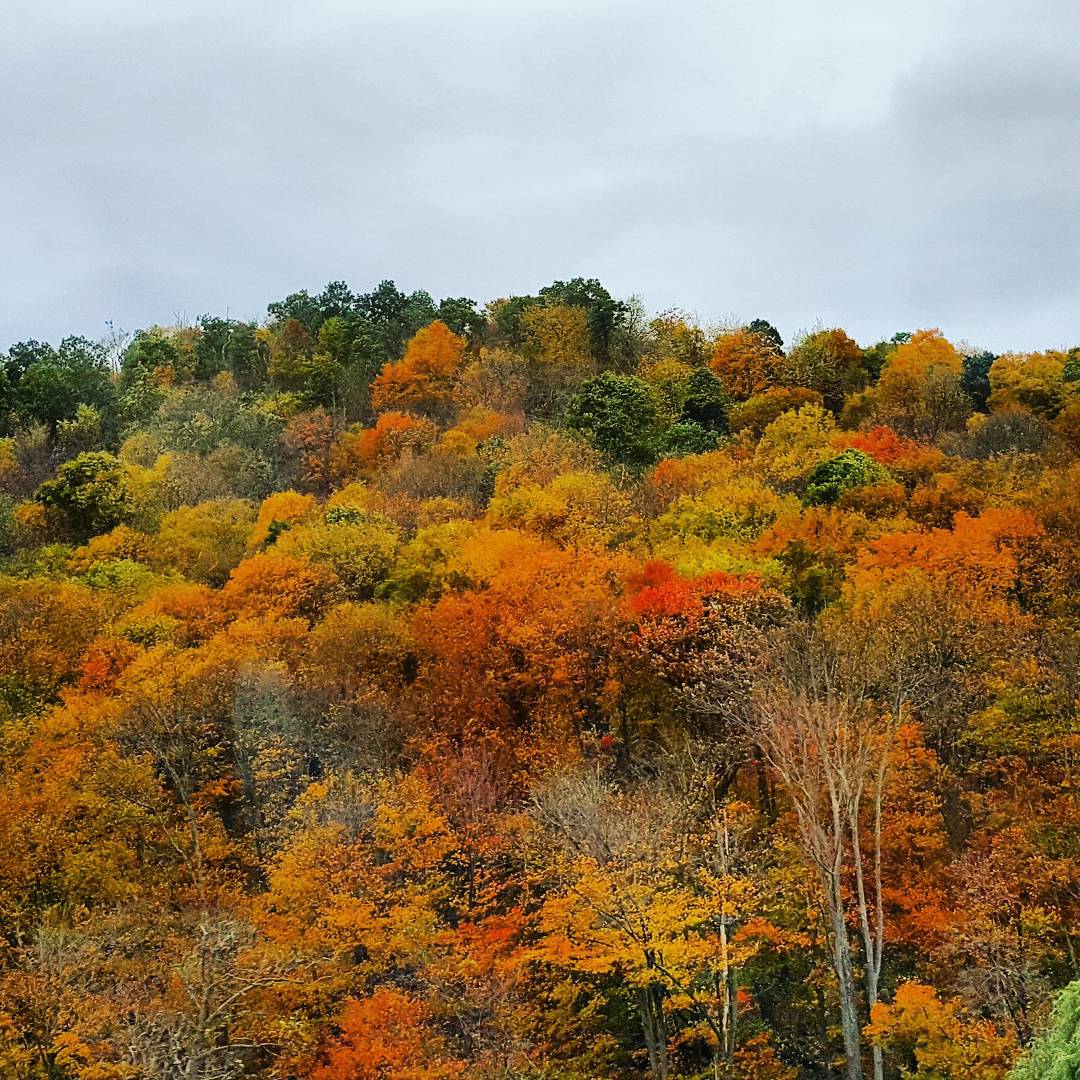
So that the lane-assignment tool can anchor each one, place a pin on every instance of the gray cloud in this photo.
(880, 166)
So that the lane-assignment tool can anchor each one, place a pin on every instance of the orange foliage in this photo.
(882, 444)
(480, 423)
(282, 509)
(105, 661)
(492, 760)
(191, 612)
(925, 354)
(311, 437)
(358, 451)
(978, 550)
(527, 651)
(423, 378)
(746, 362)
(45, 627)
(386, 1037)
(279, 586)
(657, 591)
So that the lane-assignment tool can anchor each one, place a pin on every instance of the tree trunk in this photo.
(849, 1014)
(655, 1041)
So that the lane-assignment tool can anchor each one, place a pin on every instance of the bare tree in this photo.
(828, 743)
(204, 1029)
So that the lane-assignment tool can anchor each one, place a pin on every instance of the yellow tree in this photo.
(934, 1034)
(650, 889)
(1033, 381)
(557, 345)
(920, 393)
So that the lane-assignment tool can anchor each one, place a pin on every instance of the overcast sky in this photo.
(876, 165)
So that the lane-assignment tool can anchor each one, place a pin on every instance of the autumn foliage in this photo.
(401, 690)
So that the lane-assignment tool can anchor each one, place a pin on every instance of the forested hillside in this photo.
(394, 689)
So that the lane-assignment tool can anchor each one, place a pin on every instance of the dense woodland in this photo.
(401, 690)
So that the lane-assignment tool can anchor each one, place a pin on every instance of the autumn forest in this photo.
(402, 689)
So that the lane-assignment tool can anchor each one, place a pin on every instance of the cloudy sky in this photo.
(869, 163)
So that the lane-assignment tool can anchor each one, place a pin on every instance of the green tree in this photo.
(212, 346)
(8, 402)
(687, 437)
(24, 353)
(149, 351)
(248, 357)
(619, 416)
(707, 402)
(394, 317)
(832, 478)
(1055, 1055)
(301, 306)
(55, 384)
(766, 330)
(975, 382)
(462, 316)
(90, 491)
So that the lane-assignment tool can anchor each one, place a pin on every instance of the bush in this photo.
(851, 469)
(687, 437)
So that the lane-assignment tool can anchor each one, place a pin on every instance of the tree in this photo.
(648, 894)
(388, 1036)
(619, 416)
(830, 746)
(272, 585)
(706, 401)
(1034, 381)
(359, 549)
(687, 437)
(936, 1037)
(55, 384)
(151, 352)
(204, 542)
(212, 346)
(45, 628)
(22, 354)
(423, 380)
(603, 314)
(746, 361)
(462, 316)
(756, 413)
(91, 491)
(1055, 1055)
(394, 317)
(677, 336)
(833, 477)
(827, 361)
(920, 392)
(795, 443)
(976, 378)
(556, 342)
(765, 329)
(248, 356)
(577, 508)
